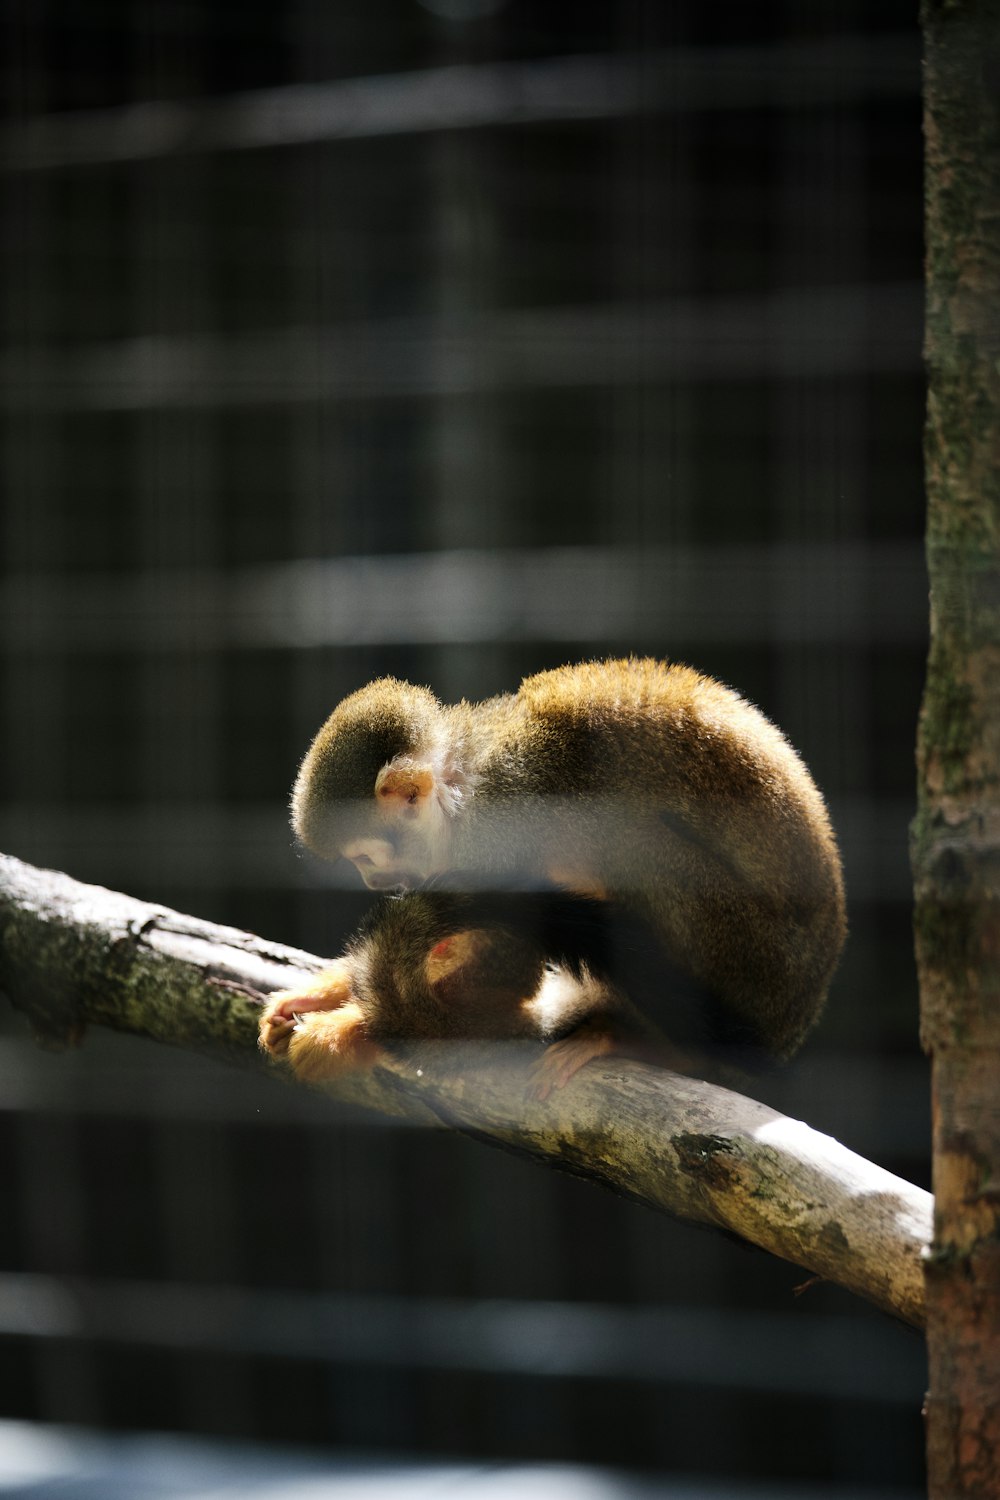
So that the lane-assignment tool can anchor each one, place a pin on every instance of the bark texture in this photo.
(72, 954)
(956, 843)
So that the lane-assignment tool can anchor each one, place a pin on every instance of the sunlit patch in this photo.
(842, 1170)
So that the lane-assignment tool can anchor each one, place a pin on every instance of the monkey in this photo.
(639, 782)
(577, 975)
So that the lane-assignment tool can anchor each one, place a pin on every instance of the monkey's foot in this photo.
(565, 1058)
(328, 992)
(324, 1044)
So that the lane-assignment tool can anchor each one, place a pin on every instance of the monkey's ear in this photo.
(454, 957)
(464, 971)
(406, 786)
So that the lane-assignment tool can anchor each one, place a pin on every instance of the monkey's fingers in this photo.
(275, 1034)
(562, 1060)
(328, 991)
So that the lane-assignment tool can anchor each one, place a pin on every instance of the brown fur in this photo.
(637, 780)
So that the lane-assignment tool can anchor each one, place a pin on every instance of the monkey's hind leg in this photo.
(328, 992)
(563, 1059)
(601, 1036)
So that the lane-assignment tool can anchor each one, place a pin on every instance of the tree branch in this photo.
(72, 954)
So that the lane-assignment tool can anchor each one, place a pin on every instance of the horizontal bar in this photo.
(802, 75)
(802, 1355)
(794, 333)
(850, 592)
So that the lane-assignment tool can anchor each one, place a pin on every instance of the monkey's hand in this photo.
(328, 992)
(564, 1058)
(324, 1044)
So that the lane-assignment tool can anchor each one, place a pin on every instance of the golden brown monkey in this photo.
(635, 781)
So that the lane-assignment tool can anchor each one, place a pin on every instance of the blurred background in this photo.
(453, 340)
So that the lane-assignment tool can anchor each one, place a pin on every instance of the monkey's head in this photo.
(377, 786)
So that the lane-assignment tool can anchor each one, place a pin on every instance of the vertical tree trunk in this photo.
(956, 843)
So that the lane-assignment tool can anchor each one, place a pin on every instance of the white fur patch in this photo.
(558, 993)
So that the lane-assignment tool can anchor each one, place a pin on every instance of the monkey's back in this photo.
(713, 830)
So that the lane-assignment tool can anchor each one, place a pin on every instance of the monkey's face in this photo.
(385, 864)
(408, 838)
(401, 851)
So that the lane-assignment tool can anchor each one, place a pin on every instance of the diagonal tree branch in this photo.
(73, 955)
